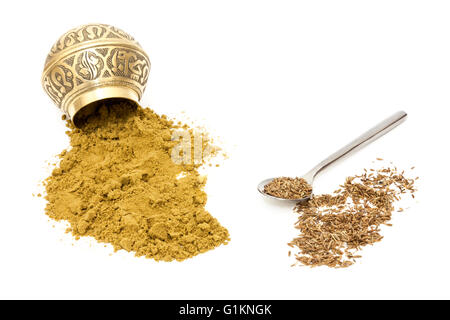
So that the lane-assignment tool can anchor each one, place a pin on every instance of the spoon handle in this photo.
(376, 132)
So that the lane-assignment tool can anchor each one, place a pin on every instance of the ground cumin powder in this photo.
(119, 184)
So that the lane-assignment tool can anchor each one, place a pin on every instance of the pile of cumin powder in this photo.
(334, 227)
(118, 184)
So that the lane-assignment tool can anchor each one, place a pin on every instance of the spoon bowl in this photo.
(263, 183)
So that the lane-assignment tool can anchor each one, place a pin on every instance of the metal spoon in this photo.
(376, 132)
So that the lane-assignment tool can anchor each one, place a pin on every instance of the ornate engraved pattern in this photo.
(89, 66)
(58, 83)
(87, 33)
(122, 64)
(128, 63)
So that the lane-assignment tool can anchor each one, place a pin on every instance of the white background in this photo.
(283, 84)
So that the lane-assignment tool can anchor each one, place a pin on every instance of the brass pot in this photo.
(94, 62)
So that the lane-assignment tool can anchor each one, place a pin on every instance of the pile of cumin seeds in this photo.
(333, 228)
(288, 188)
